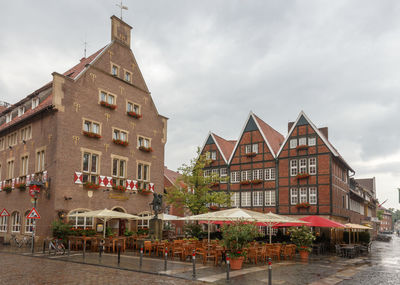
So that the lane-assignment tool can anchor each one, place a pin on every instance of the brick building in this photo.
(95, 123)
(386, 222)
(170, 178)
(300, 174)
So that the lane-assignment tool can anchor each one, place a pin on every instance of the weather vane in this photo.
(122, 7)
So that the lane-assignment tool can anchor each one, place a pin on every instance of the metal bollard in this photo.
(33, 245)
(119, 254)
(165, 259)
(194, 264)
(141, 257)
(269, 271)
(84, 252)
(228, 266)
(44, 246)
(69, 247)
(100, 252)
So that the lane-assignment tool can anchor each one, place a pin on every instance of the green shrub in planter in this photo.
(302, 237)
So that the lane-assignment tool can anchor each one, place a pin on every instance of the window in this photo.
(255, 148)
(235, 199)
(235, 176)
(303, 195)
(270, 174)
(303, 165)
(207, 173)
(312, 166)
(128, 76)
(247, 148)
(131, 107)
(114, 70)
(90, 167)
(2, 142)
(270, 198)
(21, 111)
(3, 224)
(80, 222)
(257, 198)
(12, 139)
(293, 167)
(223, 173)
(312, 192)
(35, 103)
(8, 117)
(214, 174)
(213, 155)
(119, 171)
(143, 172)
(40, 160)
(144, 142)
(258, 174)
(26, 133)
(28, 224)
(107, 97)
(251, 148)
(303, 141)
(312, 141)
(272, 230)
(246, 175)
(10, 169)
(293, 143)
(120, 135)
(15, 222)
(293, 196)
(144, 223)
(91, 127)
(24, 165)
(246, 199)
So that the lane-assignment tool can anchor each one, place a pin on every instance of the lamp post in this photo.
(34, 189)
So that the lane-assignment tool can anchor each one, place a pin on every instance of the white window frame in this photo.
(303, 194)
(258, 174)
(293, 167)
(303, 141)
(207, 173)
(312, 195)
(258, 198)
(21, 111)
(214, 173)
(246, 199)
(213, 155)
(35, 103)
(247, 148)
(235, 176)
(144, 223)
(293, 143)
(312, 165)
(254, 147)
(223, 173)
(40, 160)
(24, 165)
(246, 175)
(294, 198)
(9, 117)
(235, 199)
(312, 141)
(3, 224)
(29, 224)
(270, 198)
(91, 173)
(81, 222)
(270, 174)
(89, 126)
(117, 176)
(16, 222)
(303, 165)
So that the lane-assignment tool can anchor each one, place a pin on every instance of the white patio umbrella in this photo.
(105, 215)
(239, 214)
(163, 217)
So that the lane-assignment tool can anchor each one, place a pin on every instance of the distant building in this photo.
(170, 179)
(386, 222)
(300, 174)
(92, 136)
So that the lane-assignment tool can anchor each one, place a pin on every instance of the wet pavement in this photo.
(381, 266)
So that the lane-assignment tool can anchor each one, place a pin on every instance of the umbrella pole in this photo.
(104, 228)
(208, 228)
(270, 234)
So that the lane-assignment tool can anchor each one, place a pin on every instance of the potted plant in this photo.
(21, 186)
(302, 238)
(145, 191)
(256, 181)
(236, 238)
(107, 105)
(134, 115)
(120, 142)
(145, 149)
(251, 154)
(91, 185)
(119, 188)
(7, 188)
(245, 182)
(91, 135)
(304, 205)
(302, 175)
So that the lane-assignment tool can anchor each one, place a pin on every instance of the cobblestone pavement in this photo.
(26, 270)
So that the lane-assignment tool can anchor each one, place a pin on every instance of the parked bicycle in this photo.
(25, 241)
(56, 246)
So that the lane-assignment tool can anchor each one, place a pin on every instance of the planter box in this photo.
(134, 115)
(256, 181)
(145, 192)
(145, 149)
(302, 147)
(251, 154)
(109, 106)
(119, 188)
(119, 142)
(302, 176)
(245, 182)
(91, 186)
(91, 135)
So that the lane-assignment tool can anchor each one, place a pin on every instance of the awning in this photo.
(357, 227)
(314, 221)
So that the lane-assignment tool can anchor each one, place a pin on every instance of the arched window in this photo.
(15, 222)
(28, 223)
(3, 224)
(81, 222)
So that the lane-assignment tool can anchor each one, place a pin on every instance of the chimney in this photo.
(120, 31)
(289, 126)
(324, 131)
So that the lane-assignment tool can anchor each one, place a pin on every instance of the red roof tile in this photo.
(46, 103)
(225, 146)
(74, 71)
(171, 175)
(274, 138)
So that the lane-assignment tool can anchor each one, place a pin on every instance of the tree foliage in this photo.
(192, 189)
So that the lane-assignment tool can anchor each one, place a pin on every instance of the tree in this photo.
(192, 188)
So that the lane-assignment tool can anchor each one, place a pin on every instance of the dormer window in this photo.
(21, 111)
(8, 117)
(114, 70)
(35, 103)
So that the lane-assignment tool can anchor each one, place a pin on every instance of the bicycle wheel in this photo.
(61, 249)
(19, 242)
(51, 248)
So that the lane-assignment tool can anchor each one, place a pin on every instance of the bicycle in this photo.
(25, 241)
(57, 246)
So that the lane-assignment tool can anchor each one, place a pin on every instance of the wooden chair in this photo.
(177, 249)
(147, 247)
(275, 252)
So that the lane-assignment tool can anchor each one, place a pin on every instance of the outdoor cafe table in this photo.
(349, 249)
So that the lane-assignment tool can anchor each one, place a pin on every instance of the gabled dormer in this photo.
(217, 149)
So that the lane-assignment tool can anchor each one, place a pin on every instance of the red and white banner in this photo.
(78, 178)
(151, 187)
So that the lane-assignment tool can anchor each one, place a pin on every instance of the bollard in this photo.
(84, 252)
(141, 257)
(100, 252)
(69, 247)
(194, 264)
(269, 271)
(165, 259)
(119, 254)
(44, 246)
(228, 266)
(33, 245)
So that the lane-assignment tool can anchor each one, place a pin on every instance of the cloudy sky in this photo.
(208, 63)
